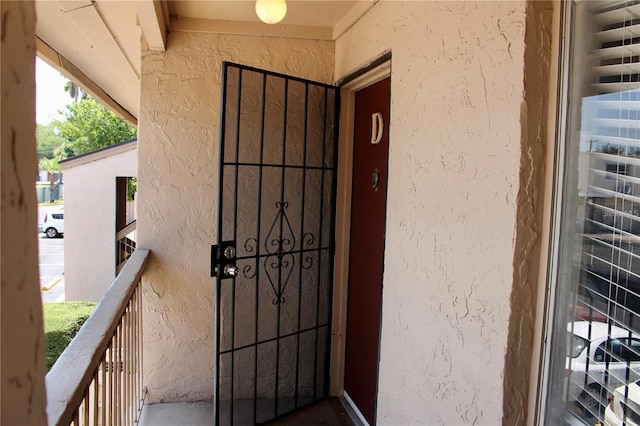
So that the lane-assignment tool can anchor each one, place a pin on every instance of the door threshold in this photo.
(352, 410)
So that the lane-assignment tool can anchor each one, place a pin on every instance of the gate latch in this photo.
(223, 260)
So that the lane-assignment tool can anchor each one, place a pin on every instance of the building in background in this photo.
(96, 212)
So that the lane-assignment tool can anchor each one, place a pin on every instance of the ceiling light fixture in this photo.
(271, 11)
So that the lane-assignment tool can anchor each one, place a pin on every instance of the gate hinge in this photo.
(223, 260)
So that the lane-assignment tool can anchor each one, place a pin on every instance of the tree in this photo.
(48, 140)
(89, 126)
(50, 166)
(132, 188)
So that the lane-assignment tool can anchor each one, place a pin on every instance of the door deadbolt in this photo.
(230, 252)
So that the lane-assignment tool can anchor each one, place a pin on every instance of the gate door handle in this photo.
(224, 254)
(230, 270)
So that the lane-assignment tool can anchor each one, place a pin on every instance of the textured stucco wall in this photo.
(90, 224)
(455, 146)
(178, 161)
(23, 363)
(533, 212)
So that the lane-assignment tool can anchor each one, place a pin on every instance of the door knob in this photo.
(231, 270)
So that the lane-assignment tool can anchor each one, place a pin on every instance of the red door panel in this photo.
(368, 211)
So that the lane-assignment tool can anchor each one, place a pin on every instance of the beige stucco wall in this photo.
(178, 162)
(90, 224)
(23, 362)
(454, 167)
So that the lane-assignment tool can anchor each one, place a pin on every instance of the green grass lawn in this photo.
(61, 322)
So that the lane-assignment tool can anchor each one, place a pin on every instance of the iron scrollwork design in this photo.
(309, 239)
(279, 245)
(250, 244)
(248, 271)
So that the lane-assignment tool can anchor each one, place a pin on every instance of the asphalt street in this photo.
(51, 255)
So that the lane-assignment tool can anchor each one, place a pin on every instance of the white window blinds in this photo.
(610, 139)
(596, 333)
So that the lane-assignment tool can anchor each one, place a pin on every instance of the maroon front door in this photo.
(368, 211)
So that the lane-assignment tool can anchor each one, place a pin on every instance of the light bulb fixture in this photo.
(271, 11)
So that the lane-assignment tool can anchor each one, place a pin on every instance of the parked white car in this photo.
(602, 358)
(624, 410)
(53, 224)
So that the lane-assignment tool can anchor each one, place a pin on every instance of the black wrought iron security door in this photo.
(274, 262)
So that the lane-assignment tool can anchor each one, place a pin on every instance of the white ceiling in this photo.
(97, 43)
(323, 13)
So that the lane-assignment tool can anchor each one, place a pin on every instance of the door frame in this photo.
(378, 70)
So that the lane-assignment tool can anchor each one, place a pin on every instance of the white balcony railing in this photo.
(98, 378)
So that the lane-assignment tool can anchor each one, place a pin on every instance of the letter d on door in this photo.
(377, 127)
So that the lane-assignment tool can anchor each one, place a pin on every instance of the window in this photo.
(618, 350)
(629, 413)
(619, 169)
(577, 345)
(596, 256)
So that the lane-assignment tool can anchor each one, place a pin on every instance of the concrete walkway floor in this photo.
(177, 414)
(325, 413)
